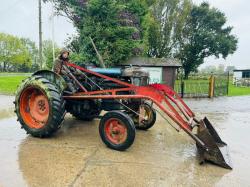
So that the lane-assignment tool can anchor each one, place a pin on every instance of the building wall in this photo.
(165, 75)
(238, 74)
(155, 74)
(169, 76)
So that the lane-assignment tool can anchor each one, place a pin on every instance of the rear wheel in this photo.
(40, 107)
(117, 130)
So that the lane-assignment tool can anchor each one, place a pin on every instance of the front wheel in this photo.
(149, 120)
(117, 130)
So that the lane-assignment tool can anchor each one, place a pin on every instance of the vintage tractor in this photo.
(128, 100)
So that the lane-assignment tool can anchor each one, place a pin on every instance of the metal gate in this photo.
(221, 85)
(200, 86)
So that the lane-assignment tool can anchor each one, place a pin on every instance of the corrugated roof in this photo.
(241, 70)
(152, 62)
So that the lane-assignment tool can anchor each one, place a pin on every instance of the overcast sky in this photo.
(20, 17)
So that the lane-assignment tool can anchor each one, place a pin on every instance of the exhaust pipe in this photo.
(216, 150)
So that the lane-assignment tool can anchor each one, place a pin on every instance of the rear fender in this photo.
(53, 78)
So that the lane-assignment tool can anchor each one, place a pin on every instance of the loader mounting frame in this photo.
(170, 103)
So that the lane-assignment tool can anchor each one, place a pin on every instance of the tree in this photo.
(205, 34)
(13, 53)
(32, 49)
(230, 69)
(48, 53)
(164, 28)
(221, 69)
(209, 70)
(114, 26)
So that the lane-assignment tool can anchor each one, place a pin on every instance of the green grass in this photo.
(9, 84)
(238, 91)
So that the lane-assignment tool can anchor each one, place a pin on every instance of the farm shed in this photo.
(242, 77)
(161, 70)
(242, 74)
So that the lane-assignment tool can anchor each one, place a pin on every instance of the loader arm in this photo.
(208, 142)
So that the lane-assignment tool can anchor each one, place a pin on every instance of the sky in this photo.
(20, 18)
(238, 15)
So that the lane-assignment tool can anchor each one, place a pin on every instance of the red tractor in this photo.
(129, 101)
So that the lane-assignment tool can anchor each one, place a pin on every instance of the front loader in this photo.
(126, 96)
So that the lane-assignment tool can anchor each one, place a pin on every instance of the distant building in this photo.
(242, 77)
(161, 70)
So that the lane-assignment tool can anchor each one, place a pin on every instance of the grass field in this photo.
(9, 84)
(238, 91)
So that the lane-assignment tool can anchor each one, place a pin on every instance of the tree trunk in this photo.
(4, 66)
(98, 54)
(186, 74)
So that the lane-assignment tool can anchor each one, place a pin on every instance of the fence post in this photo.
(182, 89)
(211, 86)
(228, 82)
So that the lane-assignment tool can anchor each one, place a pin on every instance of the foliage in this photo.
(48, 53)
(14, 55)
(32, 49)
(34, 67)
(115, 27)
(164, 28)
(230, 69)
(156, 28)
(212, 69)
(205, 34)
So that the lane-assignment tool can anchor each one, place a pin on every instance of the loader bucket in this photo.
(217, 150)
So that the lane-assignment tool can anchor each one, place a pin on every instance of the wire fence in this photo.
(221, 86)
(200, 86)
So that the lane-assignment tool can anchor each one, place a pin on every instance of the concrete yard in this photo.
(76, 156)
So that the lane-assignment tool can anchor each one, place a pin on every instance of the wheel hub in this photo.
(146, 113)
(116, 131)
(42, 106)
(34, 108)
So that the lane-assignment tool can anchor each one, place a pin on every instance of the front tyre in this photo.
(40, 107)
(117, 130)
(149, 120)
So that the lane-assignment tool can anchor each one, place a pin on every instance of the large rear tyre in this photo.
(117, 130)
(40, 107)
